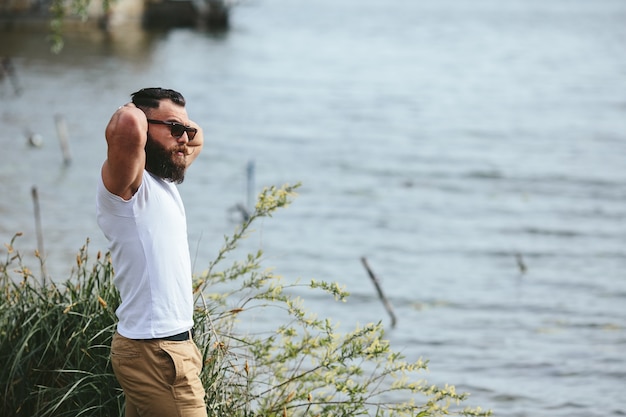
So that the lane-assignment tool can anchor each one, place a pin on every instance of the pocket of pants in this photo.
(166, 362)
(123, 350)
(184, 358)
(187, 365)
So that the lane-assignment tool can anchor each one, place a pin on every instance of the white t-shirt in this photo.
(148, 243)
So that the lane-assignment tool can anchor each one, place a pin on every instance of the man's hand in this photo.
(195, 146)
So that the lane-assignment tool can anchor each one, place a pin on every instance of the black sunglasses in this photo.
(177, 129)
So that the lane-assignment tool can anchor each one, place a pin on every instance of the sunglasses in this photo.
(177, 129)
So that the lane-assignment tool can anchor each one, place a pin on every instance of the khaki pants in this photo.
(159, 378)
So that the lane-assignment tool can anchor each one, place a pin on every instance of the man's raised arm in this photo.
(126, 136)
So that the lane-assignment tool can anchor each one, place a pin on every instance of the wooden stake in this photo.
(7, 68)
(250, 168)
(39, 232)
(384, 299)
(63, 138)
(520, 263)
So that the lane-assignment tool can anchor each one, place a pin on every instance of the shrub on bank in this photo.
(55, 338)
(54, 341)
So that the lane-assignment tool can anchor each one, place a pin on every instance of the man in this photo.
(151, 142)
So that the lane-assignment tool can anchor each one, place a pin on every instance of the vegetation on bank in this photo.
(55, 338)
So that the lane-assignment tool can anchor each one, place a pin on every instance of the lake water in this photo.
(441, 139)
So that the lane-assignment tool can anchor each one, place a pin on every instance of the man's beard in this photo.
(165, 163)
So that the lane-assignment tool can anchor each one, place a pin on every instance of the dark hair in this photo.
(149, 98)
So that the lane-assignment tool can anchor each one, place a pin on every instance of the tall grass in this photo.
(55, 343)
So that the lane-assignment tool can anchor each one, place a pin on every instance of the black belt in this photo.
(180, 337)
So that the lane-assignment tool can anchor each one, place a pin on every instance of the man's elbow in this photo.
(128, 128)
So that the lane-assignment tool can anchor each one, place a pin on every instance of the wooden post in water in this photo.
(384, 299)
(250, 185)
(39, 232)
(63, 138)
(7, 68)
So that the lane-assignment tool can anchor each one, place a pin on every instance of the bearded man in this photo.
(151, 143)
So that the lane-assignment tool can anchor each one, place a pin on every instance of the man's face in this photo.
(166, 156)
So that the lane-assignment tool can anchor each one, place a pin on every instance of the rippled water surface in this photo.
(443, 140)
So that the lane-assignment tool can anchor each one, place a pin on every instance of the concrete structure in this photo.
(151, 13)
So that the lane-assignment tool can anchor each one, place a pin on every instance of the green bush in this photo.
(55, 345)
(54, 341)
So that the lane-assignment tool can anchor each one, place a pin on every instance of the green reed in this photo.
(55, 338)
